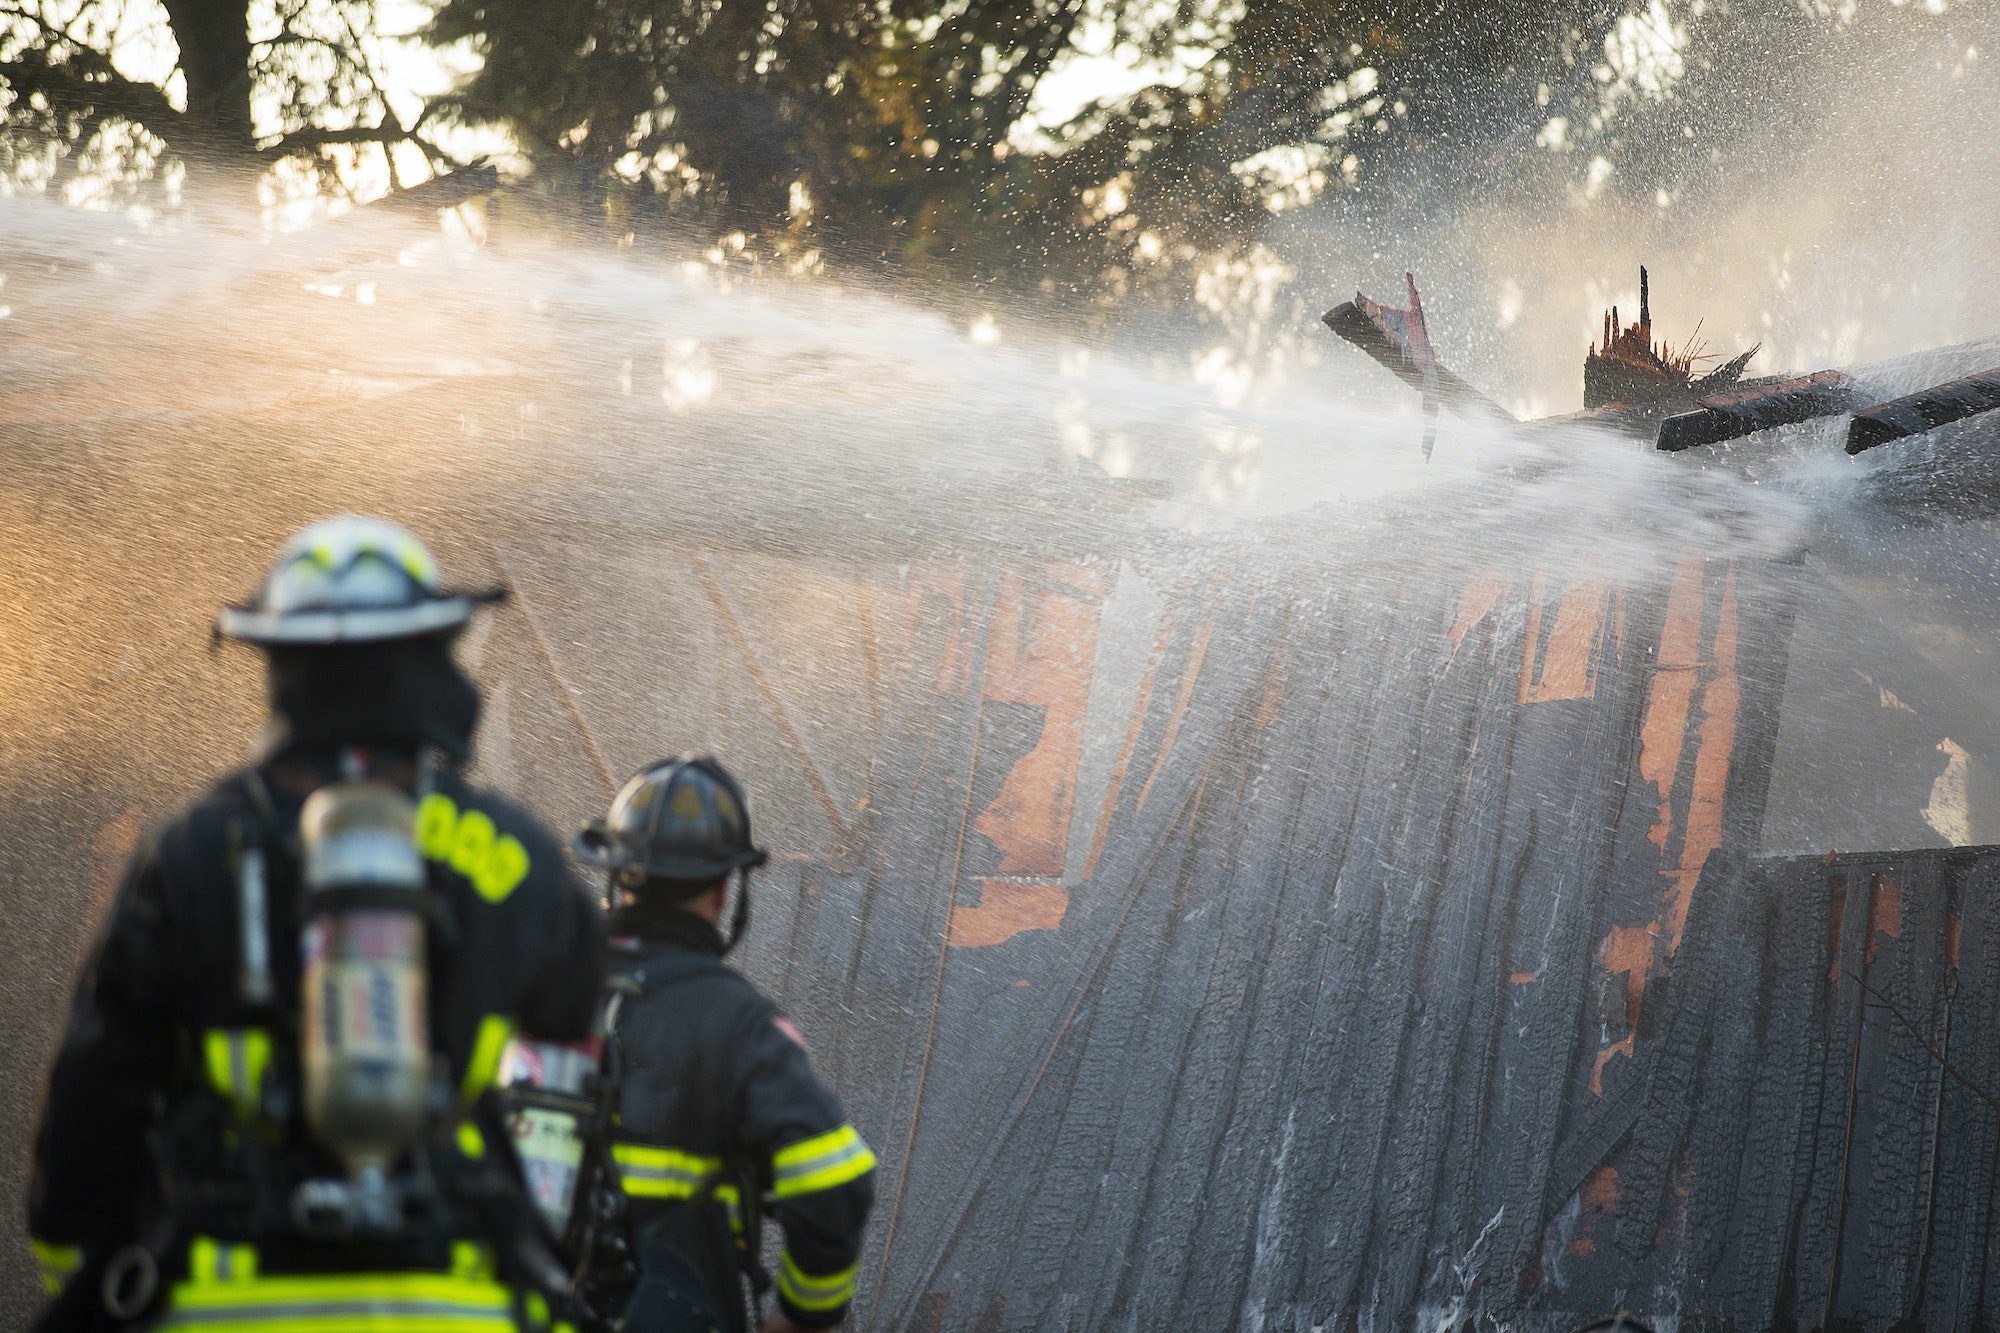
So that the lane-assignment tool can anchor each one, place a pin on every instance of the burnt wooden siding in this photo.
(1383, 955)
(1405, 972)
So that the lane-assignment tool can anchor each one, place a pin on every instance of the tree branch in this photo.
(315, 137)
(94, 86)
(490, 111)
(289, 37)
(1028, 72)
(440, 192)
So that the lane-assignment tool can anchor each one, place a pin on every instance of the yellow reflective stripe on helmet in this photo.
(399, 549)
(211, 1260)
(343, 1303)
(651, 1172)
(484, 1065)
(415, 561)
(57, 1262)
(236, 1059)
(815, 1292)
(820, 1163)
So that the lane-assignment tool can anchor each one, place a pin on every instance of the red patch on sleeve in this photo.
(791, 1031)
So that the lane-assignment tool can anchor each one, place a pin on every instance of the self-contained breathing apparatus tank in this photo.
(364, 1027)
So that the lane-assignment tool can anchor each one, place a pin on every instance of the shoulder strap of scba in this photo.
(238, 1061)
(251, 843)
(598, 1234)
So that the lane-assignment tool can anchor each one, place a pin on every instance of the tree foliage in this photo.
(912, 131)
(249, 85)
(933, 135)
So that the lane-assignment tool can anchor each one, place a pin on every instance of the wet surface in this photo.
(1317, 918)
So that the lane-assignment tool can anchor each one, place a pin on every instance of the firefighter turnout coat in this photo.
(173, 1092)
(720, 1120)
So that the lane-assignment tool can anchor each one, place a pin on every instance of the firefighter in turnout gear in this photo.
(270, 1108)
(719, 1119)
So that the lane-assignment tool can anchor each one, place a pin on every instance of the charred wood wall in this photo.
(1382, 954)
(1407, 975)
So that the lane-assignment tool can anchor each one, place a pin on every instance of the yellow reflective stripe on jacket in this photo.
(236, 1059)
(57, 1262)
(807, 1291)
(482, 1068)
(211, 1260)
(651, 1172)
(820, 1163)
(471, 1259)
(343, 1303)
(729, 1197)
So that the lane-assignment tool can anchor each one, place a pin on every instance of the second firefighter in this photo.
(718, 1119)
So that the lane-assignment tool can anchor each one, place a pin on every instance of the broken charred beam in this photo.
(1730, 416)
(1939, 405)
(1385, 333)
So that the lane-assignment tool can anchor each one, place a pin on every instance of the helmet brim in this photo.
(594, 845)
(358, 625)
(600, 847)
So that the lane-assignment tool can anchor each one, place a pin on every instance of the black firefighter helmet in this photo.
(675, 828)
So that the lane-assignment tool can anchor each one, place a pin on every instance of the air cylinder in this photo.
(364, 1023)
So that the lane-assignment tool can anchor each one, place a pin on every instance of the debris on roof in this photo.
(1399, 342)
(1628, 368)
(1636, 385)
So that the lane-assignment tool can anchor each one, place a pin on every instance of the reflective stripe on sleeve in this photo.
(651, 1172)
(57, 1262)
(482, 1068)
(236, 1059)
(732, 1199)
(211, 1260)
(469, 1258)
(820, 1163)
(470, 1141)
(343, 1303)
(807, 1291)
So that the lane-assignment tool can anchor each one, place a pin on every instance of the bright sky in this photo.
(1097, 67)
